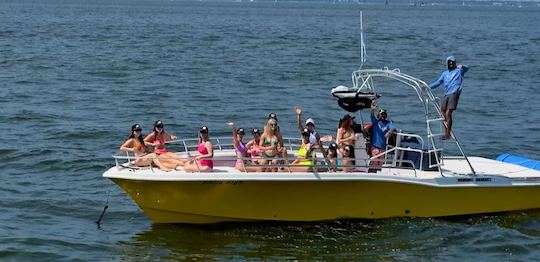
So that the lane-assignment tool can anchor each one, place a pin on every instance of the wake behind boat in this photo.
(418, 178)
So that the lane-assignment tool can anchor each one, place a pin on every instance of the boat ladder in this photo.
(436, 141)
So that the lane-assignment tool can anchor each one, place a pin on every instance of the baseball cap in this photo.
(204, 130)
(272, 115)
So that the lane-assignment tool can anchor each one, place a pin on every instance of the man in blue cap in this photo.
(452, 80)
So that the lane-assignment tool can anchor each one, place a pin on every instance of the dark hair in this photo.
(159, 123)
(350, 149)
(140, 139)
(334, 151)
(204, 130)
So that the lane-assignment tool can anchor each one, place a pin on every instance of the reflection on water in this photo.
(385, 239)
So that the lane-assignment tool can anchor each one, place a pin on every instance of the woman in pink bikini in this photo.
(253, 147)
(157, 139)
(203, 160)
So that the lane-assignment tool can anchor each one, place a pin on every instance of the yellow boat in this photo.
(417, 178)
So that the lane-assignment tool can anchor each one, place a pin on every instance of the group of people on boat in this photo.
(266, 151)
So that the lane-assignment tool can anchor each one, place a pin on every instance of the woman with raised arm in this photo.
(134, 143)
(157, 139)
(240, 148)
(203, 160)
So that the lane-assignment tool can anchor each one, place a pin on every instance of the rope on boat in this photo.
(98, 222)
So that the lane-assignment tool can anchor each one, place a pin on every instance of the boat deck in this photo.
(455, 171)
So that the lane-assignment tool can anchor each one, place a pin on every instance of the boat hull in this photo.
(200, 202)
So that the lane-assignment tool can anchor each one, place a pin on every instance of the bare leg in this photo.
(448, 127)
(196, 167)
(300, 169)
(174, 159)
(274, 163)
(162, 165)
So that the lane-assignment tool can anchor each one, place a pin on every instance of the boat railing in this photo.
(363, 81)
(409, 151)
(127, 160)
(223, 143)
(395, 156)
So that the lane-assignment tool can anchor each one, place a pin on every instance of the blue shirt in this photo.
(452, 80)
(380, 128)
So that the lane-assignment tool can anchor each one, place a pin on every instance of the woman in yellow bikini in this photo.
(304, 159)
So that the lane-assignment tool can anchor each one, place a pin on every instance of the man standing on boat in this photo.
(453, 81)
(382, 129)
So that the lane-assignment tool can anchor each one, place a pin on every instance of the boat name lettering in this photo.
(213, 182)
(484, 179)
(232, 182)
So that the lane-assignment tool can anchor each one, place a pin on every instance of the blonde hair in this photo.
(267, 129)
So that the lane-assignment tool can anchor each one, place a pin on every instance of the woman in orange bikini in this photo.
(134, 143)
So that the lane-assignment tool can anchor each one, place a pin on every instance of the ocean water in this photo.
(75, 75)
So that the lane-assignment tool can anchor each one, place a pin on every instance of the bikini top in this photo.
(241, 148)
(303, 152)
(268, 141)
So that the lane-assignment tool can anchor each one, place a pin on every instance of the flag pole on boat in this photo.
(362, 44)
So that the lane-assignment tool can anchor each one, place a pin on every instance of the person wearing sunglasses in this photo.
(453, 82)
(304, 158)
(253, 147)
(332, 156)
(314, 137)
(271, 144)
(240, 148)
(203, 159)
(135, 143)
(382, 129)
(347, 160)
(157, 138)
